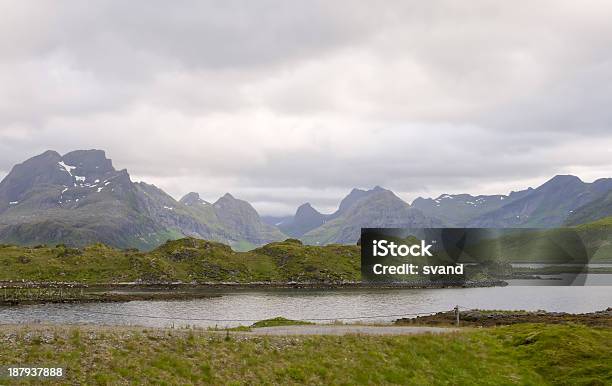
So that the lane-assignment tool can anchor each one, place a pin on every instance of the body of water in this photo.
(566, 279)
(545, 265)
(243, 307)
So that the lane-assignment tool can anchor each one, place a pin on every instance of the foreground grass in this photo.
(523, 354)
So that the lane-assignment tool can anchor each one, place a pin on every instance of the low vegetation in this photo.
(489, 318)
(534, 354)
(580, 244)
(187, 260)
(279, 321)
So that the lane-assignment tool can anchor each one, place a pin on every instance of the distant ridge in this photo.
(80, 198)
(377, 207)
(305, 219)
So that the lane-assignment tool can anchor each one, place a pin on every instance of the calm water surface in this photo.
(253, 305)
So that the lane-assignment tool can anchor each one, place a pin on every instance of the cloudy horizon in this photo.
(282, 103)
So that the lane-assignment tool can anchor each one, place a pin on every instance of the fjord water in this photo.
(243, 307)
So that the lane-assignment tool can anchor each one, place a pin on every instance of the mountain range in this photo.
(80, 198)
(549, 205)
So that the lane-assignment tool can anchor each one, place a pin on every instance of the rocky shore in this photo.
(488, 318)
(22, 292)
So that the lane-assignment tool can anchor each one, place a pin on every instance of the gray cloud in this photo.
(286, 102)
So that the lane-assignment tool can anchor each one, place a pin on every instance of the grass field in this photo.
(521, 354)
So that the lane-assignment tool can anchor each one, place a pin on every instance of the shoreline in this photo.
(469, 319)
(28, 293)
(171, 285)
(493, 318)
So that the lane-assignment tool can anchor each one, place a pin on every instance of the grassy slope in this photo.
(324, 233)
(522, 354)
(598, 235)
(186, 260)
(535, 246)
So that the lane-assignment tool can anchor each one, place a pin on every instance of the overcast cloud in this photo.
(282, 102)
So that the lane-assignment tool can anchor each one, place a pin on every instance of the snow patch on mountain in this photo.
(67, 168)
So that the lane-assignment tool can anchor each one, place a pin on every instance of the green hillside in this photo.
(559, 245)
(187, 260)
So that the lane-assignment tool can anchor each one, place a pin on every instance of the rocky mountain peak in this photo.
(192, 198)
(227, 197)
(50, 180)
(305, 210)
(89, 168)
(229, 204)
(89, 161)
(354, 196)
(561, 180)
(48, 154)
(229, 201)
(37, 172)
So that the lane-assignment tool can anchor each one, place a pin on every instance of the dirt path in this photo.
(344, 330)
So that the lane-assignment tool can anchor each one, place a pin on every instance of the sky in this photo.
(286, 102)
